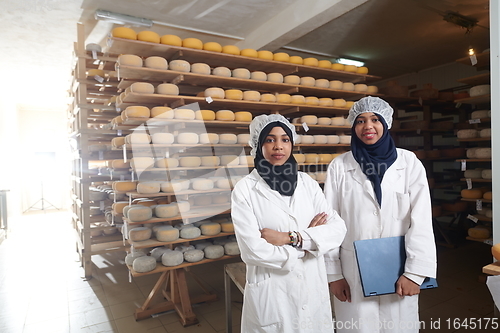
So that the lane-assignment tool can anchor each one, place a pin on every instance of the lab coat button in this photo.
(304, 307)
(375, 213)
(299, 276)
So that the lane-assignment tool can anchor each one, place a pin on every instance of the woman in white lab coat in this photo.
(379, 191)
(283, 226)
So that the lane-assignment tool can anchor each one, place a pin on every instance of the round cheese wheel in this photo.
(471, 152)
(320, 139)
(190, 161)
(298, 99)
(215, 92)
(231, 249)
(483, 153)
(171, 40)
(243, 115)
(325, 64)
(362, 70)
(263, 54)
(200, 68)
(148, 187)
(241, 73)
(249, 53)
(156, 62)
(228, 139)
(167, 210)
(339, 102)
(139, 213)
(141, 163)
(251, 95)
(473, 173)
(224, 115)
(479, 232)
(338, 67)
(307, 81)
(137, 112)
(229, 159)
(129, 60)
(209, 138)
(179, 66)
(345, 139)
(204, 115)
(187, 138)
(118, 142)
(210, 229)
(321, 175)
(210, 160)
(224, 183)
(148, 36)
(471, 194)
(173, 186)
(202, 184)
(487, 174)
(480, 90)
(142, 88)
(139, 234)
(172, 258)
(130, 258)
(227, 226)
(212, 46)
(480, 114)
(372, 89)
(233, 94)
(246, 160)
(312, 158)
(324, 121)
(360, 87)
(167, 162)
(95, 72)
(231, 49)
(275, 77)
(350, 68)
(349, 86)
(300, 158)
(324, 158)
(157, 252)
(307, 139)
(119, 164)
(336, 84)
(124, 186)
(167, 89)
(214, 251)
(312, 100)
(243, 138)
(311, 62)
(268, 98)
(296, 60)
(309, 119)
(281, 56)
(222, 71)
(183, 206)
(349, 105)
(488, 196)
(258, 75)
(284, 98)
(485, 133)
(138, 138)
(322, 83)
(194, 255)
(186, 114)
(292, 79)
(163, 112)
(192, 43)
(124, 32)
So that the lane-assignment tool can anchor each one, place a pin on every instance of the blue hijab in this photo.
(374, 159)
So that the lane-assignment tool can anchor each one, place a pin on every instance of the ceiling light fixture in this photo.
(462, 21)
(345, 61)
(122, 18)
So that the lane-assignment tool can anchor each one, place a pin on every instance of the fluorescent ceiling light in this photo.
(344, 61)
(122, 18)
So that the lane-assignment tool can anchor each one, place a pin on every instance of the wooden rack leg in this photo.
(148, 309)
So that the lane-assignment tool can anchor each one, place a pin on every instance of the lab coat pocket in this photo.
(260, 300)
(401, 206)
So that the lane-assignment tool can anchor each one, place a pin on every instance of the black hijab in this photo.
(374, 159)
(281, 178)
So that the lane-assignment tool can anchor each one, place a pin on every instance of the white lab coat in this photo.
(406, 210)
(286, 288)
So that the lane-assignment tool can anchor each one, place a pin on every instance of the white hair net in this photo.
(257, 125)
(371, 104)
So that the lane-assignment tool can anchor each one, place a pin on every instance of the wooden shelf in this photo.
(475, 160)
(492, 269)
(483, 60)
(481, 240)
(194, 213)
(474, 140)
(477, 180)
(476, 80)
(474, 200)
(154, 243)
(483, 99)
(164, 194)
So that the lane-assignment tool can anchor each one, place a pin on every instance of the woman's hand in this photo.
(319, 219)
(406, 287)
(274, 237)
(341, 290)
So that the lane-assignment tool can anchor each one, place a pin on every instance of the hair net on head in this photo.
(371, 104)
(258, 123)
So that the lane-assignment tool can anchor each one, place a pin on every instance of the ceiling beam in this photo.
(296, 21)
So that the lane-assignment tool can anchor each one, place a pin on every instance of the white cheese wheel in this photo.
(333, 139)
(137, 112)
(307, 139)
(162, 138)
(167, 89)
(275, 77)
(184, 206)
(166, 210)
(212, 46)
(312, 158)
(224, 183)
(246, 160)
(156, 62)
(326, 101)
(194, 255)
(138, 138)
(172, 258)
(258, 75)
(241, 73)
(142, 88)
(210, 229)
(202, 184)
(336, 84)
(148, 187)
(348, 86)
(228, 139)
(130, 258)
(163, 112)
(243, 116)
(231, 249)
(284, 98)
(324, 121)
(309, 119)
(205, 115)
(124, 186)
(214, 251)
(487, 174)
(312, 100)
(227, 226)
(233, 94)
(372, 90)
(298, 99)
(268, 98)
(224, 115)
(243, 138)
(300, 158)
(483, 153)
(480, 90)
(320, 139)
(467, 133)
(212, 138)
(190, 233)
(471, 152)
(339, 102)
(157, 252)
(139, 213)
(229, 159)
(251, 95)
(119, 164)
(173, 186)
(221, 71)
(308, 81)
(485, 133)
(322, 83)
(187, 138)
(180, 66)
(210, 160)
(167, 162)
(129, 60)
(360, 87)
(345, 139)
(292, 79)
(141, 163)
(139, 234)
(186, 114)
(480, 114)
(200, 68)
(473, 174)
(190, 161)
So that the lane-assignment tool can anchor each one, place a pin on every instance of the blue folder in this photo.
(381, 262)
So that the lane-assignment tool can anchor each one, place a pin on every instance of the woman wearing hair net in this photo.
(380, 191)
(284, 226)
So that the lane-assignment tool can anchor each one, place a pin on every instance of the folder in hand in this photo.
(381, 262)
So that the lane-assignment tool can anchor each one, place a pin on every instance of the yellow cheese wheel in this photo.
(284, 98)
(148, 36)
(325, 64)
(298, 99)
(320, 139)
(200, 68)
(479, 232)
(118, 142)
(209, 138)
(333, 139)
(124, 186)
(471, 194)
(167, 162)
(212, 46)
(495, 250)
(167, 234)
(167, 89)
(372, 89)
(338, 67)
(349, 104)
(345, 139)
(156, 62)
(186, 114)
(300, 158)
(360, 87)
(233, 94)
(124, 32)
(350, 68)
(162, 112)
(258, 75)
(249, 53)
(488, 196)
(210, 229)
(227, 226)
(162, 138)
(362, 70)
(224, 115)
(241, 73)
(325, 158)
(215, 92)
(129, 60)
(296, 60)
(243, 116)
(119, 164)
(338, 121)
(190, 161)
(222, 71)
(312, 158)
(348, 86)
(204, 115)
(210, 160)
(231, 49)
(281, 56)
(137, 112)
(268, 98)
(192, 43)
(251, 95)
(171, 40)
(312, 100)
(292, 79)
(311, 62)
(339, 102)
(264, 54)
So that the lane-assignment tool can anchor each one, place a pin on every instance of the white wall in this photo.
(495, 116)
